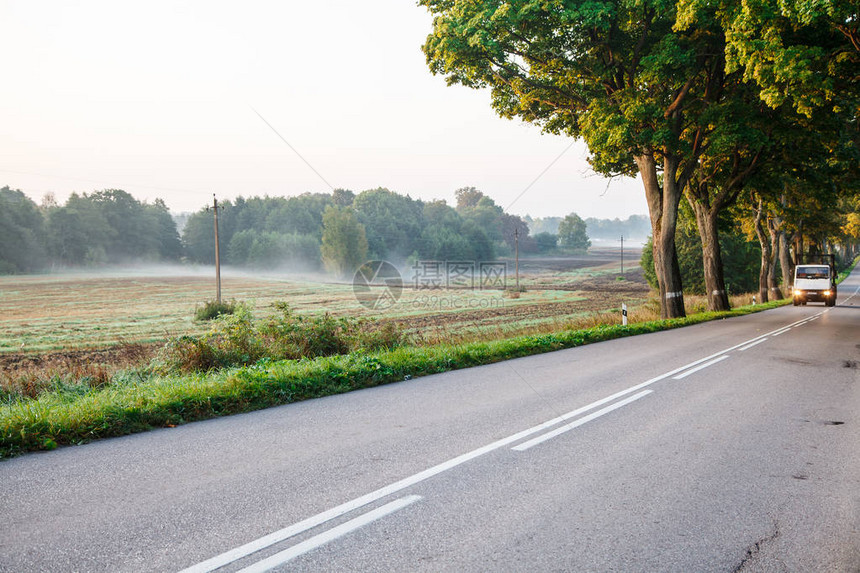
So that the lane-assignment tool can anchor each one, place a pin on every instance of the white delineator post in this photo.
(623, 314)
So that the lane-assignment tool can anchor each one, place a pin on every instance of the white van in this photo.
(814, 283)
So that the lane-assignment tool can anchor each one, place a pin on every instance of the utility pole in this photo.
(622, 254)
(517, 251)
(217, 251)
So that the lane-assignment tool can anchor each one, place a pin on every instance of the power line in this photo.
(294, 149)
(547, 168)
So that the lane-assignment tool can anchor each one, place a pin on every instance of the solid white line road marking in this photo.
(748, 346)
(701, 367)
(584, 420)
(319, 540)
(276, 537)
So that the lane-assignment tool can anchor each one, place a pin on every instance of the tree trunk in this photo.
(663, 210)
(773, 286)
(715, 283)
(785, 261)
(765, 252)
(798, 245)
(784, 255)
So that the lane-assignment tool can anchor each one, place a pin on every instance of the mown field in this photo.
(74, 312)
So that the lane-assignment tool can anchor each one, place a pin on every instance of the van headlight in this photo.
(827, 293)
(798, 292)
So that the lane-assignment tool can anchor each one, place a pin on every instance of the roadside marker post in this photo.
(623, 314)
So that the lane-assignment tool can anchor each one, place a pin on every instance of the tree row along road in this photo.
(726, 446)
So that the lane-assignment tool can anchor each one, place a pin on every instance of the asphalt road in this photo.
(727, 446)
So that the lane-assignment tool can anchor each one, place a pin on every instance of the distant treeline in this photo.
(105, 227)
(337, 230)
(266, 231)
(633, 227)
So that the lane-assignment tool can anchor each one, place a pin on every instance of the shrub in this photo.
(235, 340)
(213, 309)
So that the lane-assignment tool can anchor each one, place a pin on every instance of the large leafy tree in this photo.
(169, 245)
(344, 243)
(613, 72)
(572, 233)
(393, 222)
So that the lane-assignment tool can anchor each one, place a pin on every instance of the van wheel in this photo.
(796, 302)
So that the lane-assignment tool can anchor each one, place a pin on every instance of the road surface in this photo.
(726, 446)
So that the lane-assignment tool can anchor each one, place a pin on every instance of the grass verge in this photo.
(847, 271)
(136, 405)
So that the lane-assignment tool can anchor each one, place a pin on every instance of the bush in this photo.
(213, 309)
(235, 340)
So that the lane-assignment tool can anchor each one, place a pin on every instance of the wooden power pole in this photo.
(517, 251)
(217, 252)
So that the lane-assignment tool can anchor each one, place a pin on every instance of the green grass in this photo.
(136, 403)
(843, 274)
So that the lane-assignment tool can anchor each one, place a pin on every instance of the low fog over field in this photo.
(311, 235)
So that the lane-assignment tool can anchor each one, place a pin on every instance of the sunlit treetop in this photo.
(806, 52)
(611, 72)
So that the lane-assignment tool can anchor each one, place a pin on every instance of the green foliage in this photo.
(393, 222)
(261, 231)
(272, 231)
(444, 242)
(546, 242)
(467, 198)
(344, 243)
(103, 227)
(22, 247)
(806, 53)
(236, 340)
(213, 309)
(603, 71)
(271, 250)
(343, 197)
(741, 258)
(447, 236)
(572, 234)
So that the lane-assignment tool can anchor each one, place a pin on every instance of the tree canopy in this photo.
(698, 97)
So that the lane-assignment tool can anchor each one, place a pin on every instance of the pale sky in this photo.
(158, 98)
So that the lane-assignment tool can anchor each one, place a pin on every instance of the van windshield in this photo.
(813, 272)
